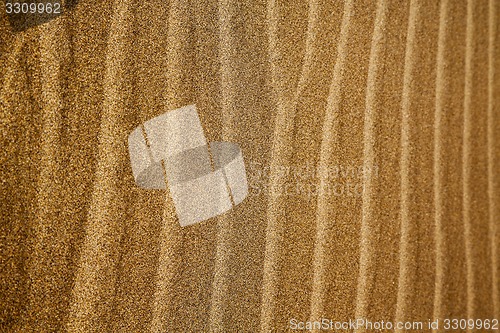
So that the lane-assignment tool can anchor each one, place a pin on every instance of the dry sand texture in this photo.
(410, 88)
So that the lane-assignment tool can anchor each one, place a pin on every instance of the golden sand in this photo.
(408, 87)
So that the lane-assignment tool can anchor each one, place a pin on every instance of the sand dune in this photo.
(409, 90)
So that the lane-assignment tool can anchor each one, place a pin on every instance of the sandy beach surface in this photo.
(370, 132)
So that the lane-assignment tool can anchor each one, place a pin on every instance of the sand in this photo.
(409, 89)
